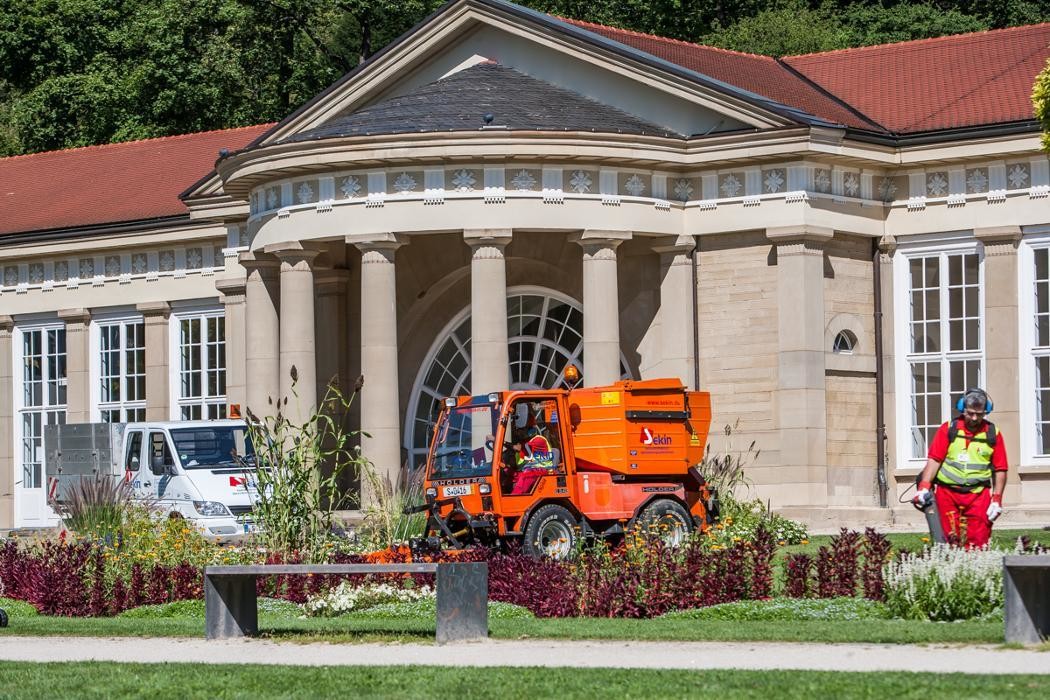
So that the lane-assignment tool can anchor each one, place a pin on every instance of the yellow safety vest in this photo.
(967, 466)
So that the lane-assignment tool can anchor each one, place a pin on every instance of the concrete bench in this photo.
(1026, 587)
(231, 607)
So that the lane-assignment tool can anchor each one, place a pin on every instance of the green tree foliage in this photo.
(788, 29)
(1041, 103)
(874, 24)
(78, 72)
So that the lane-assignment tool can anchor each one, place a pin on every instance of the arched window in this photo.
(544, 336)
(845, 342)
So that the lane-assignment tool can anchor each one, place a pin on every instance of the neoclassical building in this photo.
(834, 245)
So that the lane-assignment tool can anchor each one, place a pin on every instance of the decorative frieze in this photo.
(113, 268)
(751, 186)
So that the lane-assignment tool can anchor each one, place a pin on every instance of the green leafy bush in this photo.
(17, 608)
(740, 521)
(944, 583)
(787, 610)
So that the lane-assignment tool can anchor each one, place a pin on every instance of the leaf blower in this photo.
(928, 506)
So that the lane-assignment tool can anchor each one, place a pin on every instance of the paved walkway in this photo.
(539, 652)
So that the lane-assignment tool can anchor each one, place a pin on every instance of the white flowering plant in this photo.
(347, 597)
(944, 583)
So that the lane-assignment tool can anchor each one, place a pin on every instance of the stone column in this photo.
(297, 333)
(232, 293)
(155, 315)
(601, 306)
(261, 332)
(380, 405)
(1000, 340)
(802, 412)
(7, 424)
(78, 364)
(490, 358)
(331, 323)
(677, 315)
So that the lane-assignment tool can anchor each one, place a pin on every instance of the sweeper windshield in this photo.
(463, 440)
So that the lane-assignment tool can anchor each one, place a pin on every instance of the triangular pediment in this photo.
(557, 54)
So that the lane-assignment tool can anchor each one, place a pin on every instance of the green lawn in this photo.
(107, 680)
(364, 630)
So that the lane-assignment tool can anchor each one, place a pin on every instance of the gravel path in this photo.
(537, 652)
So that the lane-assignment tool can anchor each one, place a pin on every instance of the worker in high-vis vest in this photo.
(966, 472)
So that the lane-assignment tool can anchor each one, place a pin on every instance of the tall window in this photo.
(945, 355)
(202, 366)
(122, 371)
(43, 396)
(1041, 350)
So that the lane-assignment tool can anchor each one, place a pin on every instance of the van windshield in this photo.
(463, 441)
(209, 446)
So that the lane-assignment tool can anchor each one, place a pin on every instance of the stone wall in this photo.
(737, 315)
(850, 377)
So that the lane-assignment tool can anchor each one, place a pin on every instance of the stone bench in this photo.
(1026, 587)
(231, 606)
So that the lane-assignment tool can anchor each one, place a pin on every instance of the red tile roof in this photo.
(951, 81)
(758, 74)
(929, 84)
(109, 184)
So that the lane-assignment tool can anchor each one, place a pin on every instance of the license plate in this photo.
(450, 491)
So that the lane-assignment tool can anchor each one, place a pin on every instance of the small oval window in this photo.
(844, 343)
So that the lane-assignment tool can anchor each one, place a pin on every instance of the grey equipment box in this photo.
(80, 450)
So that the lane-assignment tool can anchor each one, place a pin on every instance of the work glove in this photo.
(923, 497)
(995, 508)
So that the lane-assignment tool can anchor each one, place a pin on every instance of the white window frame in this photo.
(1028, 406)
(177, 401)
(941, 246)
(20, 409)
(95, 338)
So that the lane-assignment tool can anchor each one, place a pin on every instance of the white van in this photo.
(185, 468)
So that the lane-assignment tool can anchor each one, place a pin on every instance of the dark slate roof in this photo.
(460, 101)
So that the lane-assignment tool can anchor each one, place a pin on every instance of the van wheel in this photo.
(666, 520)
(552, 532)
(175, 515)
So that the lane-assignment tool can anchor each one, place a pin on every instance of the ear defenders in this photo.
(960, 405)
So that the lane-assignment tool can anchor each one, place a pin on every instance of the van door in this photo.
(132, 457)
(157, 477)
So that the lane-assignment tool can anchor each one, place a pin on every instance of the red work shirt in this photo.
(939, 446)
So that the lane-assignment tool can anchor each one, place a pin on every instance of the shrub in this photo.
(724, 472)
(741, 520)
(385, 523)
(797, 569)
(876, 550)
(96, 507)
(17, 608)
(787, 610)
(945, 583)
(297, 469)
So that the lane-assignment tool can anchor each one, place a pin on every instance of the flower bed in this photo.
(640, 578)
